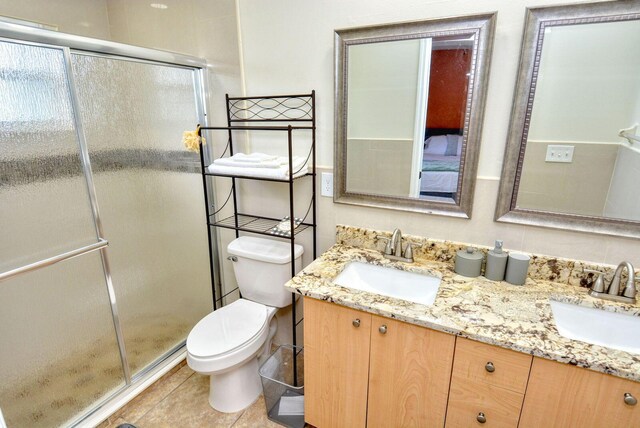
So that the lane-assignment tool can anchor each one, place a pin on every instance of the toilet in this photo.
(227, 343)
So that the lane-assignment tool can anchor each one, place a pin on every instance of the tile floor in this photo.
(180, 399)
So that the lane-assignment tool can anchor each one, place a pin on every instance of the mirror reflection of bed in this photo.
(441, 165)
(448, 83)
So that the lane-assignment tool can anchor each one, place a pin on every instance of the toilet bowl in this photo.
(228, 343)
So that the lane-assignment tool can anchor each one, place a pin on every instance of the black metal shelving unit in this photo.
(276, 113)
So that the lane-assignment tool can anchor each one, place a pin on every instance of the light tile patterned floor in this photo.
(180, 399)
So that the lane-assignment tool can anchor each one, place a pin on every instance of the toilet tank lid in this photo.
(264, 250)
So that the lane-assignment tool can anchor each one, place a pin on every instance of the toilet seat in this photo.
(228, 336)
(226, 329)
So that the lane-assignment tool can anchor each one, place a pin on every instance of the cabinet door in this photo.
(336, 353)
(560, 395)
(409, 374)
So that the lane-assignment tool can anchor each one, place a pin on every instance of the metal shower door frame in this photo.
(72, 44)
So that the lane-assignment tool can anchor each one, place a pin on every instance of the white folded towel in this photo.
(242, 164)
(281, 173)
(277, 162)
(254, 157)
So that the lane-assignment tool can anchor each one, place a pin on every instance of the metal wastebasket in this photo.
(283, 397)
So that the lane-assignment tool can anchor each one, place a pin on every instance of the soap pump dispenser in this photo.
(496, 263)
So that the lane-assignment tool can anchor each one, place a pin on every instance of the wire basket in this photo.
(283, 396)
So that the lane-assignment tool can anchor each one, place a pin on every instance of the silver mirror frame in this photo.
(537, 19)
(483, 27)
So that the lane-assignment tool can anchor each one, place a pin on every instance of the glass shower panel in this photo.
(58, 350)
(44, 204)
(150, 193)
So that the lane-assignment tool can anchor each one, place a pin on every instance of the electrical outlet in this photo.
(557, 153)
(327, 184)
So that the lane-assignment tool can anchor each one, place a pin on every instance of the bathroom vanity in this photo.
(483, 353)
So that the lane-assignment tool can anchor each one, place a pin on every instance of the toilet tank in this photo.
(262, 268)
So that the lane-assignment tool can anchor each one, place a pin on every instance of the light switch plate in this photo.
(557, 153)
(327, 184)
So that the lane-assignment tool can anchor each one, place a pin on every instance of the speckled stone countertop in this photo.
(498, 313)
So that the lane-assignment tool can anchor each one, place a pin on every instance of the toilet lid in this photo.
(227, 328)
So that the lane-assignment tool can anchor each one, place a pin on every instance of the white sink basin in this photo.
(389, 282)
(597, 326)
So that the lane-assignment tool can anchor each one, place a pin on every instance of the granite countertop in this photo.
(498, 313)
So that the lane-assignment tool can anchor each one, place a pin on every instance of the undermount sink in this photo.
(390, 282)
(597, 326)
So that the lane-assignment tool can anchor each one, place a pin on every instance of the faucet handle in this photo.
(630, 289)
(408, 252)
(597, 286)
(387, 247)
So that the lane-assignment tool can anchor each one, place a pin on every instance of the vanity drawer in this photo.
(487, 363)
(478, 404)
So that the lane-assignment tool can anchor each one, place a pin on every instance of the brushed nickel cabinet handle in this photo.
(382, 329)
(356, 322)
(481, 418)
(490, 367)
(630, 399)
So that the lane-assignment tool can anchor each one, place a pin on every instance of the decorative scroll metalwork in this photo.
(287, 108)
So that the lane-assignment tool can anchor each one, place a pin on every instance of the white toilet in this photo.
(227, 343)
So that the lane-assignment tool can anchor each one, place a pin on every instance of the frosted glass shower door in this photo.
(150, 195)
(58, 349)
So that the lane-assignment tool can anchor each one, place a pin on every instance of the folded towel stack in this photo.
(259, 165)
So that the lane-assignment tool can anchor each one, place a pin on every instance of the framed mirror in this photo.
(572, 160)
(409, 102)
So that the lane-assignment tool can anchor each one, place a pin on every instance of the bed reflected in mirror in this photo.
(409, 104)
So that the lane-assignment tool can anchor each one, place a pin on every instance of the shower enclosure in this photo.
(103, 257)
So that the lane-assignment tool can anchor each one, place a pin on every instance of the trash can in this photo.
(283, 397)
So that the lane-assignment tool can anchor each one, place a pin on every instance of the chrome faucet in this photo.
(613, 292)
(393, 249)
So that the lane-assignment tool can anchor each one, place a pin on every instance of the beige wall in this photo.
(288, 47)
(579, 187)
(379, 166)
(82, 17)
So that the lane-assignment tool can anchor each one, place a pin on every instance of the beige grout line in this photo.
(239, 417)
(163, 398)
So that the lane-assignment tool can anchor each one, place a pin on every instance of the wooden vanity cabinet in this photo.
(561, 395)
(365, 370)
(362, 370)
(487, 385)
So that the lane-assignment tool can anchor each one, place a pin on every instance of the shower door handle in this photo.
(55, 259)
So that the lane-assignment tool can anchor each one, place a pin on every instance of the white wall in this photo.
(623, 199)
(383, 82)
(589, 82)
(382, 92)
(287, 47)
(82, 17)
